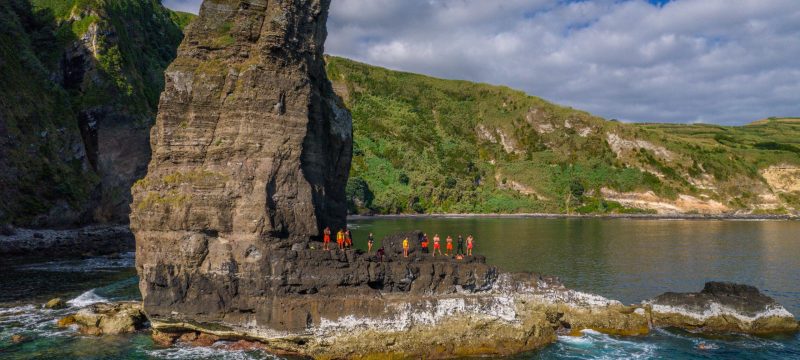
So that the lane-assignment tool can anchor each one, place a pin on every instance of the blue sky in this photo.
(714, 61)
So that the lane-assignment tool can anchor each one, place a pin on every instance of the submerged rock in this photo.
(722, 307)
(109, 319)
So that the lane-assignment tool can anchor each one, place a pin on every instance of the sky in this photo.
(686, 61)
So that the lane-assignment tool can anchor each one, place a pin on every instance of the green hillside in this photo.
(426, 145)
(78, 77)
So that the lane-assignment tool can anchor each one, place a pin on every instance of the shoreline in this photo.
(759, 217)
(92, 240)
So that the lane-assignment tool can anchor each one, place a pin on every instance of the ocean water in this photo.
(630, 260)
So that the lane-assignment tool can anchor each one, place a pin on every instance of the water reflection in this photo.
(629, 260)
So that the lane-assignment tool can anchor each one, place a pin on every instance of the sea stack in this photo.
(251, 155)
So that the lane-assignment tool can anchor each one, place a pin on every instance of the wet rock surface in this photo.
(723, 307)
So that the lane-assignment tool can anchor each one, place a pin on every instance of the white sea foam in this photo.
(86, 299)
(576, 340)
(213, 352)
(30, 319)
(603, 346)
(716, 309)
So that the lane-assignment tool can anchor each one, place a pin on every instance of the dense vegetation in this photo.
(426, 145)
(64, 66)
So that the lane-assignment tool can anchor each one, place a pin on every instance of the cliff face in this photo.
(92, 70)
(251, 153)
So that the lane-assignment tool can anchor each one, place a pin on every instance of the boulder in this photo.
(110, 318)
(57, 303)
(722, 307)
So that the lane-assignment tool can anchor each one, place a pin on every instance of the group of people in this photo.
(460, 251)
(344, 240)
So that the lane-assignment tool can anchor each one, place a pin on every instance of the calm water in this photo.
(629, 260)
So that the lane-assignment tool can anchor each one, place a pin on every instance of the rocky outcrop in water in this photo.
(108, 319)
(722, 307)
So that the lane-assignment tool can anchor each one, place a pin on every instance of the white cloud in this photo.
(717, 61)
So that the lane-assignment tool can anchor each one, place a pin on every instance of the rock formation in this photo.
(250, 157)
(107, 319)
(722, 307)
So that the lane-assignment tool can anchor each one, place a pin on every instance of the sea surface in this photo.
(625, 259)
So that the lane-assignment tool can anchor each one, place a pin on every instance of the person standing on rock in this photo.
(424, 243)
(326, 239)
(340, 239)
(405, 247)
(437, 245)
(460, 249)
(470, 242)
(370, 242)
(449, 251)
(348, 238)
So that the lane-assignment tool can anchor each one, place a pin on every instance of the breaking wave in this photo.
(86, 299)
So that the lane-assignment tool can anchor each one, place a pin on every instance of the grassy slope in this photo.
(430, 145)
(38, 117)
(36, 122)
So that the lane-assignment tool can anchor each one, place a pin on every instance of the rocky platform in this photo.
(347, 304)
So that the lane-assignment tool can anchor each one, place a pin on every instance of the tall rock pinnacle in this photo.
(250, 144)
(251, 153)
